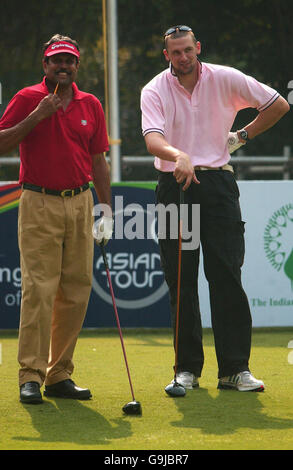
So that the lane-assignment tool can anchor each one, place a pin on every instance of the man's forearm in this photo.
(101, 180)
(184, 171)
(267, 118)
(158, 146)
(11, 138)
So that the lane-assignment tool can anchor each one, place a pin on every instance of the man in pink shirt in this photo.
(187, 113)
(62, 136)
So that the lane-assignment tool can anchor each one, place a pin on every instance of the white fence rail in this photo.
(244, 165)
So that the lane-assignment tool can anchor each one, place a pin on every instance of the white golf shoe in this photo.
(243, 382)
(187, 380)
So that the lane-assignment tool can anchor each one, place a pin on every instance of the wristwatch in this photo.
(243, 135)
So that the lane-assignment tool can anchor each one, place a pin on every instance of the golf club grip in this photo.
(104, 255)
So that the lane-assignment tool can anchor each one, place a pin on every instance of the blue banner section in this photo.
(133, 256)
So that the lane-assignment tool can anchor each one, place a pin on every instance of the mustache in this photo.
(63, 71)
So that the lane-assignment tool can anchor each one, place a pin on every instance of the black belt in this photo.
(53, 192)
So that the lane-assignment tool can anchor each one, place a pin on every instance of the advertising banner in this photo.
(267, 208)
(267, 273)
(134, 262)
(10, 274)
(133, 256)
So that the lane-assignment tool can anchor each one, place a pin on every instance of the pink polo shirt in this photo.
(199, 124)
(57, 153)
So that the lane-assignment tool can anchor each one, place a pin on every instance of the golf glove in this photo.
(234, 142)
(103, 230)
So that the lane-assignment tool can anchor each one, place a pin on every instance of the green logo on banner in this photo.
(278, 240)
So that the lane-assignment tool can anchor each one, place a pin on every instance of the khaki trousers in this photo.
(56, 258)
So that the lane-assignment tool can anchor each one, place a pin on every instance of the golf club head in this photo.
(132, 408)
(175, 390)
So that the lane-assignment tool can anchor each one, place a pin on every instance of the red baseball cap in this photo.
(61, 47)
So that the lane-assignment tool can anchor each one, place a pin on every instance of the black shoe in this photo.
(67, 389)
(30, 393)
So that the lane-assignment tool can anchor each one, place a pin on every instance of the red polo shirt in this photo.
(57, 153)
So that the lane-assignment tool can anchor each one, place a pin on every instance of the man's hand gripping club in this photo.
(184, 171)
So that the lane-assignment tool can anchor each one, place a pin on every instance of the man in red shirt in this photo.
(62, 136)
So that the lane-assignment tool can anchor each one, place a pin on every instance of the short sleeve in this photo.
(249, 92)
(153, 119)
(16, 111)
(99, 142)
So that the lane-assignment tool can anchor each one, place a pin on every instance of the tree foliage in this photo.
(255, 36)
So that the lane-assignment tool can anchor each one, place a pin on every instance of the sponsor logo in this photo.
(137, 278)
(135, 270)
(278, 241)
(11, 278)
(56, 46)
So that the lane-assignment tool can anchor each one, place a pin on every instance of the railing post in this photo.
(288, 165)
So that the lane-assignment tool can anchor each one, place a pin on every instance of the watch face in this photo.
(244, 135)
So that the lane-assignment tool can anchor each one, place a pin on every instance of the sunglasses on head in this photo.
(175, 28)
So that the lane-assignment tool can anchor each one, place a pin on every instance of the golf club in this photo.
(133, 407)
(174, 389)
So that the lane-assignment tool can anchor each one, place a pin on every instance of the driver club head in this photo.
(132, 408)
(174, 389)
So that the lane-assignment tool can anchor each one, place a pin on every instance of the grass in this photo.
(204, 419)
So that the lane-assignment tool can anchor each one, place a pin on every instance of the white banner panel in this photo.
(267, 274)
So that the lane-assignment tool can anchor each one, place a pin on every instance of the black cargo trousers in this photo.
(222, 244)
